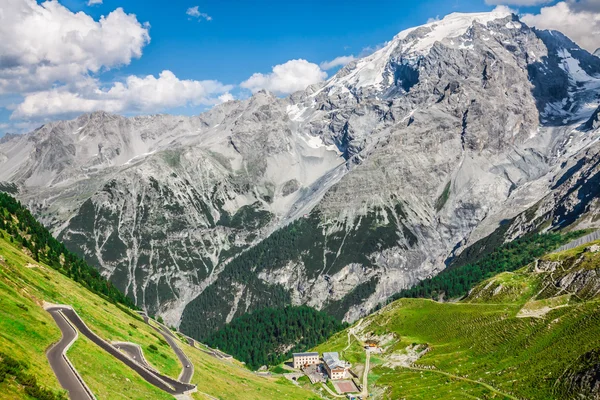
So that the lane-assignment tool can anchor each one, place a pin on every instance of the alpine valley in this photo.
(464, 132)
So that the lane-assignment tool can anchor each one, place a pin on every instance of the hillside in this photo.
(280, 332)
(338, 196)
(27, 331)
(533, 333)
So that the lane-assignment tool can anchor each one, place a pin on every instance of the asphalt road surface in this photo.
(187, 370)
(191, 341)
(163, 382)
(67, 377)
(132, 350)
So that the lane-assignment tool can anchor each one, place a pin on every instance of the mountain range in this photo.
(473, 127)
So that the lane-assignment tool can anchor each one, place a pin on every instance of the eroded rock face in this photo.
(337, 196)
(582, 379)
(594, 122)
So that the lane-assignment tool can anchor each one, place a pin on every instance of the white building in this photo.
(336, 368)
(305, 359)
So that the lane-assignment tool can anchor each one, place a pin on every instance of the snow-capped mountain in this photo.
(337, 196)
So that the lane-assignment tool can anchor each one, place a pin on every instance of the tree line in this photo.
(22, 228)
(269, 336)
(456, 282)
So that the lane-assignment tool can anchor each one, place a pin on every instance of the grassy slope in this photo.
(229, 380)
(26, 331)
(99, 368)
(481, 341)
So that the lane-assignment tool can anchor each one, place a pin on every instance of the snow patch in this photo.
(371, 70)
(452, 26)
(295, 112)
(571, 66)
(139, 156)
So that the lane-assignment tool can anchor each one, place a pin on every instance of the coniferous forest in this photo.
(22, 228)
(270, 336)
(456, 280)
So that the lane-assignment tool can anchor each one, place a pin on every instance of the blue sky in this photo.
(208, 48)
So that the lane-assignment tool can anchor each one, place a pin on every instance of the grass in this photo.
(277, 369)
(32, 323)
(488, 343)
(507, 287)
(27, 330)
(480, 348)
(231, 379)
(430, 385)
(107, 377)
(104, 318)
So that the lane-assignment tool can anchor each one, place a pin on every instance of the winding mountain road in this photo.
(134, 351)
(67, 376)
(187, 370)
(161, 381)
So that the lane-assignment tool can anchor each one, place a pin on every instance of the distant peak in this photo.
(99, 113)
(457, 24)
(597, 53)
(96, 116)
(263, 92)
(414, 43)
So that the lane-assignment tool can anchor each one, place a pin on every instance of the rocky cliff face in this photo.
(337, 196)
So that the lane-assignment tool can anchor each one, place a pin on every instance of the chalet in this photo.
(336, 368)
(305, 359)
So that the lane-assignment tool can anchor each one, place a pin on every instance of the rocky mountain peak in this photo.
(597, 53)
(368, 181)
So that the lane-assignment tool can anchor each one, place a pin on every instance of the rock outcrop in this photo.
(337, 196)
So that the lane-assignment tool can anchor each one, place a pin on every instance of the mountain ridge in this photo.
(437, 150)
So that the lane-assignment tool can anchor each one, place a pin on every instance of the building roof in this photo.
(309, 354)
(333, 360)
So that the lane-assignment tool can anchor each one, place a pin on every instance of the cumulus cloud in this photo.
(135, 94)
(286, 78)
(194, 12)
(94, 2)
(579, 20)
(51, 60)
(337, 62)
(525, 3)
(225, 97)
(46, 43)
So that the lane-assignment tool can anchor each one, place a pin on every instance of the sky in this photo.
(61, 58)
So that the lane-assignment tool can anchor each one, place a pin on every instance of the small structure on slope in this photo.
(336, 368)
(305, 359)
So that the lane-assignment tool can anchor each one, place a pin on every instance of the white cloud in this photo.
(286, 78)
(194, 12)
(525, 3)
(225, 97)
(579, 20)
(46, 43)
(135, 95)
(94, 2)
(337, 62)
